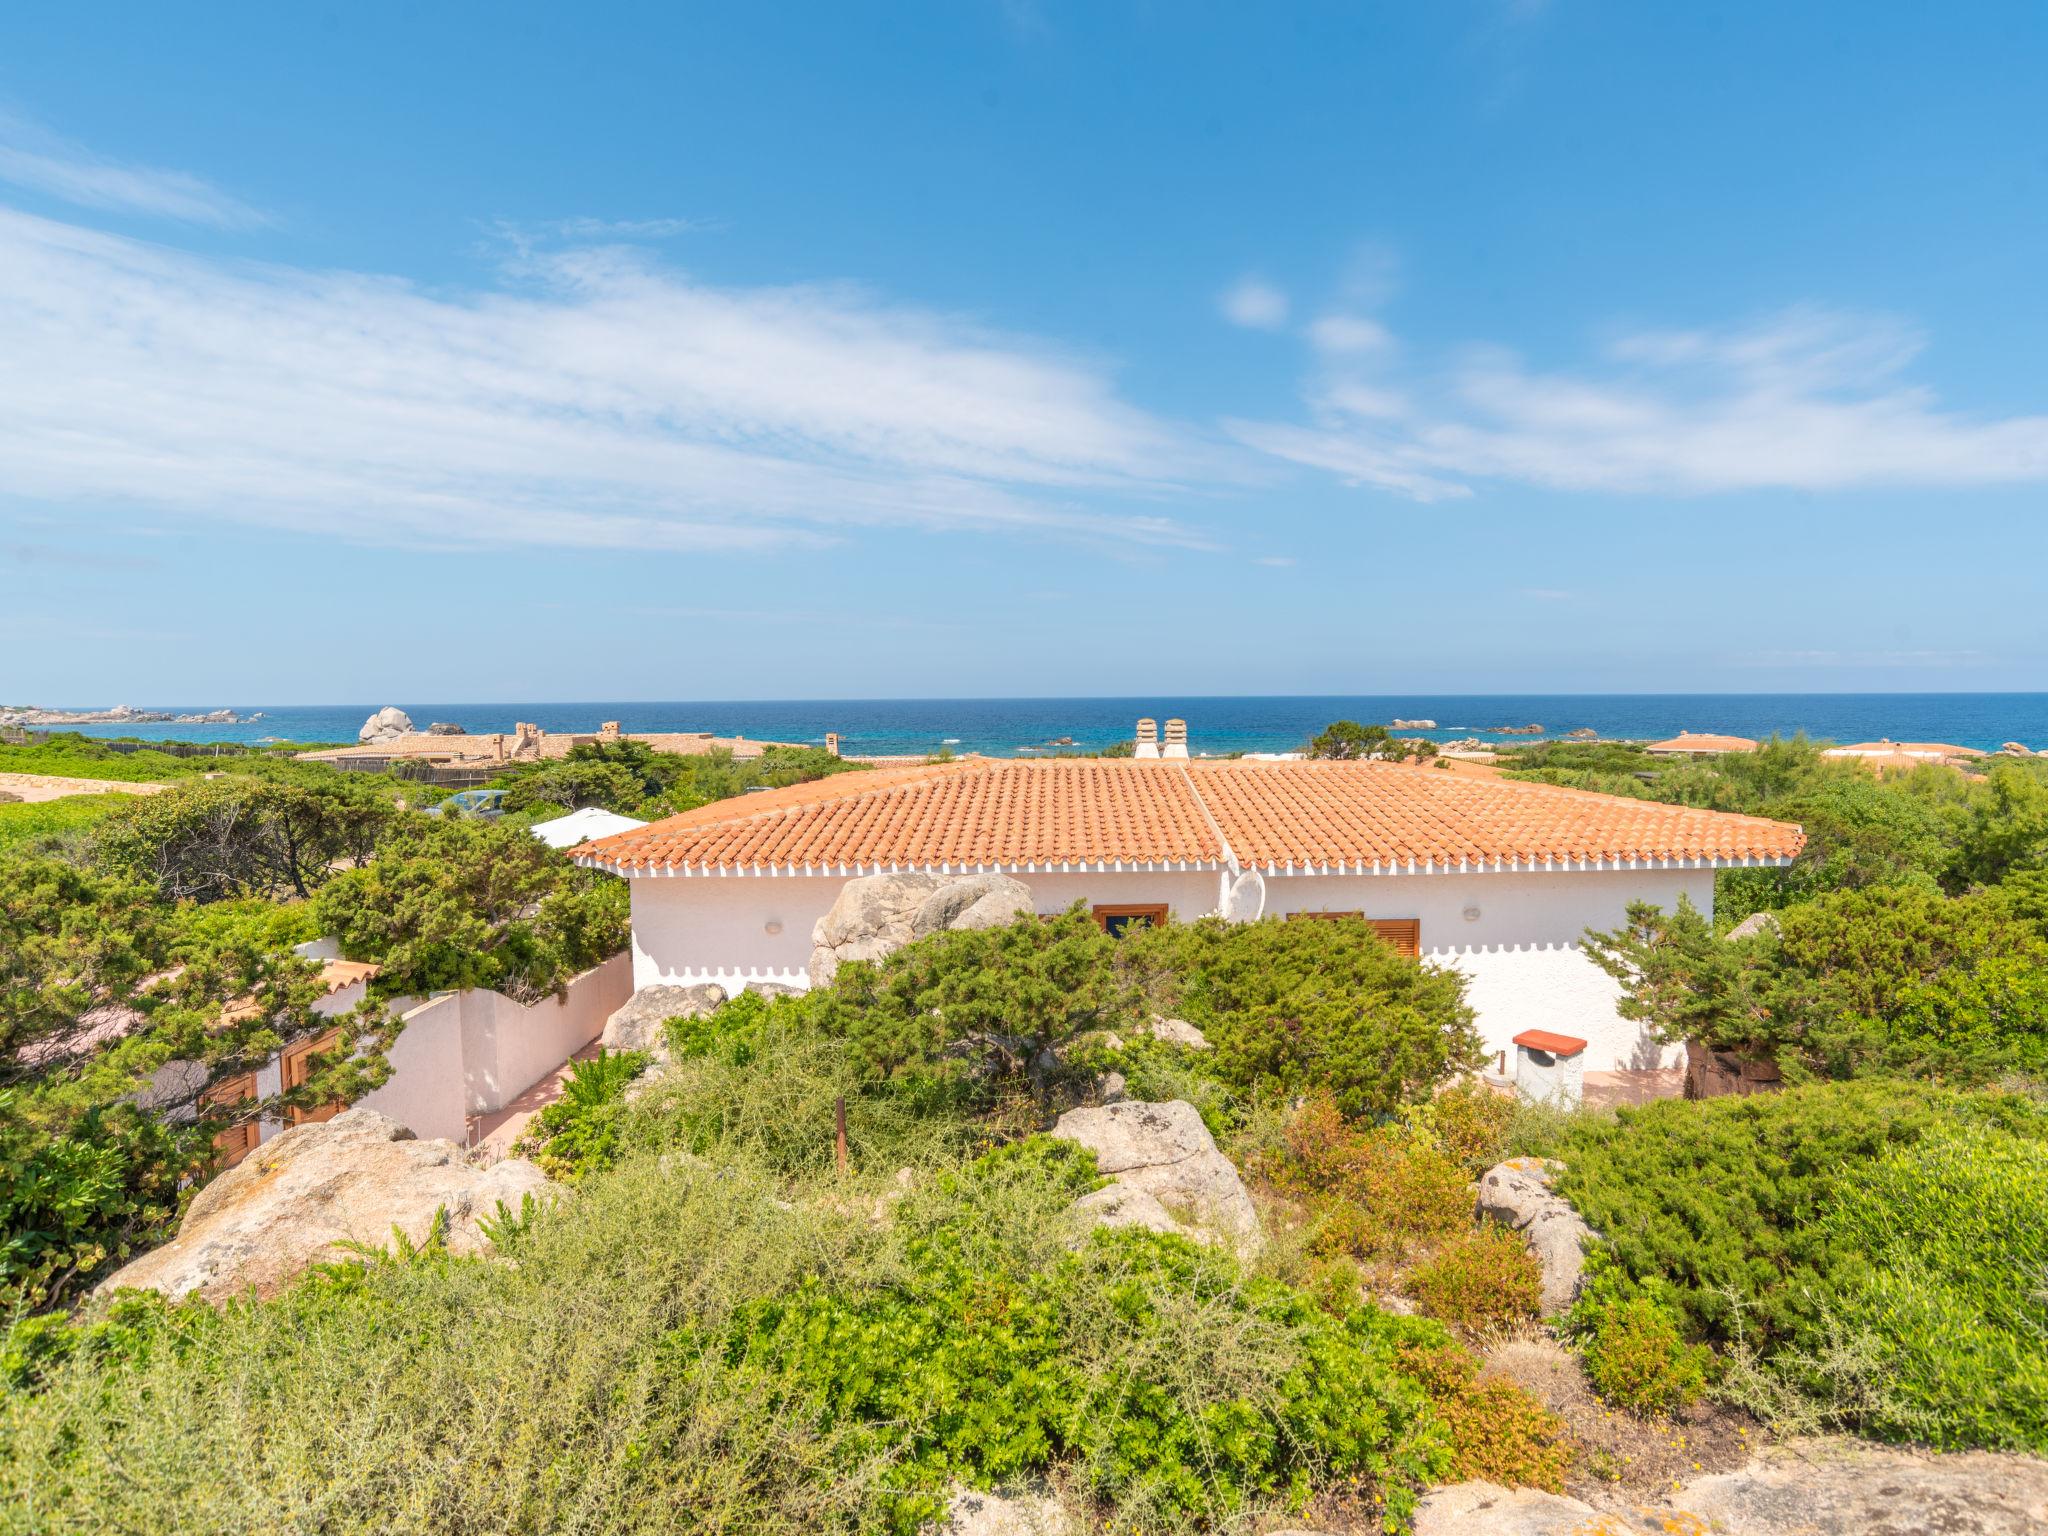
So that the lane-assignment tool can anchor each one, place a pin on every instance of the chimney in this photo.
(1176, 739)
(1148, 738)
(609, 731)
(832, 742)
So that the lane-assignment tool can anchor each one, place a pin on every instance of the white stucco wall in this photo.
(468, 1053)
(1520, 952)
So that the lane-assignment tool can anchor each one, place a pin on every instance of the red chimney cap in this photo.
(1555, 1045)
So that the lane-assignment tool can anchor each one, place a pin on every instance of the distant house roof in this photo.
(511, 747)
(586, 825)
(1929, 751)
(1703, 744)
(1298, 817)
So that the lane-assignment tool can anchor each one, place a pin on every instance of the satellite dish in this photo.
(1246, 898)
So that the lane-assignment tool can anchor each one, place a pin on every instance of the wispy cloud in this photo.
(1253, 303)
(592, 397)
(1280, 562)
(1809, 399)
(33, 157)
(589, 229)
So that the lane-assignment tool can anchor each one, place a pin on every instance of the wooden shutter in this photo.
(1402, 934)
(294, 1067)
(237, 1141)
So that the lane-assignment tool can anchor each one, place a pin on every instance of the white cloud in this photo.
(1278, 561)
(592, 398)
(1255, 304)
(1810, 399)
(1349, 335)
(37, 159)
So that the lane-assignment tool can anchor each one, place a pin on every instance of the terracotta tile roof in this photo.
(1930, 749)
(1314, 815)
(1703, 741)
(1381, 814)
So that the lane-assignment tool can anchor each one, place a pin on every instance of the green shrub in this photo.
(76, 1200)
(1468, 1121)
(1482, 1279)
(1637, 1358)
(1952, 1287)
(1290, 1007)
(1871, 1254)
(1499, 1433)
(448, 904)
(696, 1346)
(1723, 1199)
(55, 823)
(580, 1132)
(758, 1080)
(1883, 980)
(1375, 1193)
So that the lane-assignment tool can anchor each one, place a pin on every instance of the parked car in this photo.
(487, 803)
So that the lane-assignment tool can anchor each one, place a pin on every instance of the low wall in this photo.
(467, 1053)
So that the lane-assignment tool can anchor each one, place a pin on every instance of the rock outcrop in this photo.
(1802, 1488)
(1755, 923)
(1487, 1509)
(1853, 1488)
(1178, 1032)
(877, 914)
(1164, 1151)
(288, 1203)
(1025, 1512)
(387, 725)
(1119, 1205)
(1517, 1194)
(636, 1024)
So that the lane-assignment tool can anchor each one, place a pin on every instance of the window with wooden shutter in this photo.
(295, 1067)
(237, 1141)
(1402, 934)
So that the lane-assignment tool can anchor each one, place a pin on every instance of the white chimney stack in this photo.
(1148, 738)
(1176, 739)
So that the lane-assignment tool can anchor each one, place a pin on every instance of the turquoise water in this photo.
(1005, 727)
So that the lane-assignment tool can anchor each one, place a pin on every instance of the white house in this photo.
(1494, 877)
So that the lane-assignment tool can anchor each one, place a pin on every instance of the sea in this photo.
(1030, 727)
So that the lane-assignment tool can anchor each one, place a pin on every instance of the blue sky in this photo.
(531, 351)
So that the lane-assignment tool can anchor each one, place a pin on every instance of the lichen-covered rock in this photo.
(1120, 1205)
(1487, 1509)
(1023, 1512)
(1517, 1194)
(973, 901)
(288, 1203)
(1799, 1488)
(1178, 1032)
(636, 1024)
(870, 918)
(1164, 1150)
(876, 915)
(1853, 1488)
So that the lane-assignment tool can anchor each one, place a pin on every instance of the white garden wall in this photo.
(1520, 949)
(467, 1053)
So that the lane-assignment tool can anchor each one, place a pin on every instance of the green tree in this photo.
(1894, 979)
(1002, 994)
(465, 903)
(264, 834)
(1295, 1006)
(2004, 824)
